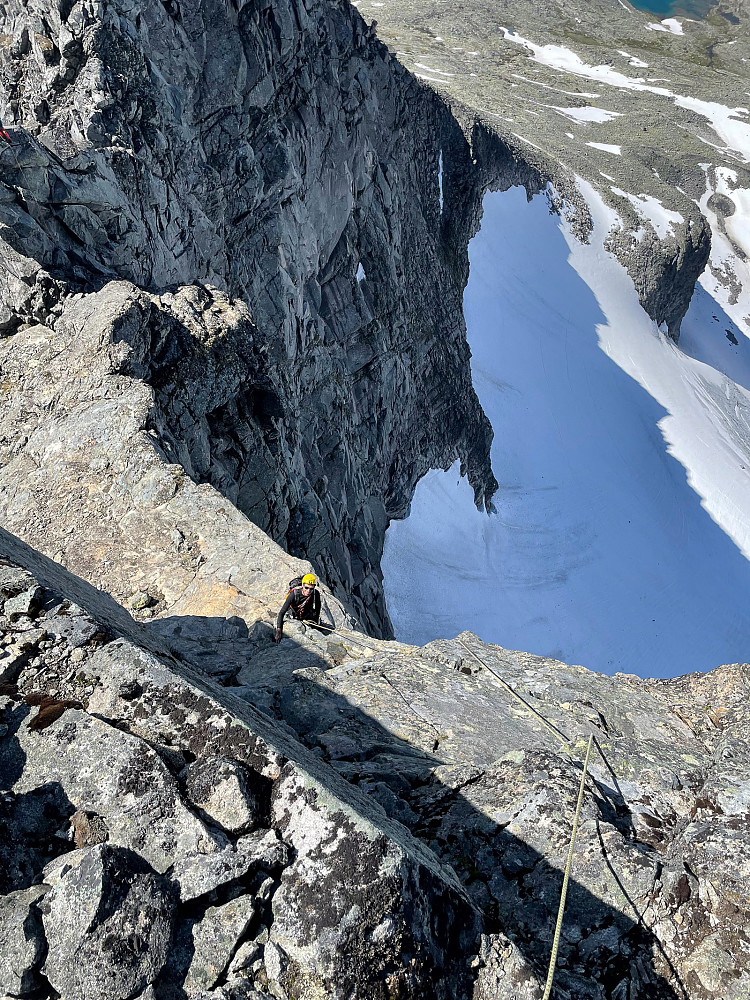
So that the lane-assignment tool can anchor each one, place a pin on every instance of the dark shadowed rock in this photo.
(22, 941)
(108, 922)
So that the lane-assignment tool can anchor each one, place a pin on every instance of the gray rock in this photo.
(108, 922)
(24, 605)
(222, 789)
(22, 942)
(14, 580)
(121, 780)
(198, 874)
(215, 939)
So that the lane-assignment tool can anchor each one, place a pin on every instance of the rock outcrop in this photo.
(266, 179)
(325, 897)
(411, 815)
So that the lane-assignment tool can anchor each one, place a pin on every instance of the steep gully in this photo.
(297, 209)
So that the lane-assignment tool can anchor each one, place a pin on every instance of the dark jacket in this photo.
(304, 607)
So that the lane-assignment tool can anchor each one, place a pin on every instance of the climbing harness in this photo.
(566, 877)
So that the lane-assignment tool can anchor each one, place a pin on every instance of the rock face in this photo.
(269, 174)
(325, 897)
(411, 838)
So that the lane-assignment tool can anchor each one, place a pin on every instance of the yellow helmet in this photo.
(309, 580)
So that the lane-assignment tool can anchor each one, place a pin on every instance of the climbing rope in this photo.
(530, 708)
(566, 877)
(330, 630)
(569, 863)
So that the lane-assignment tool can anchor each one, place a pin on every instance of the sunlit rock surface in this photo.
(389, 780)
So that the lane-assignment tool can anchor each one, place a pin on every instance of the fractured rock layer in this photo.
(269, 174)
(326, 897)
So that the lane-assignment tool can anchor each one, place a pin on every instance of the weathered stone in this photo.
(222, 789)
(199, 874)
(108, 923)
(24, 605)
(22, 941)
(119, 778)
(14, 580)
(215, 938)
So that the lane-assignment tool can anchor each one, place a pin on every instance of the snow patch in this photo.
(587, 115)
(606, 147)
(360, 273)
(724, 121)
(428, 69)
(652, 210)
(440, 179)
(670, 24)
(558, 57)
(727, 277)
(632, 60)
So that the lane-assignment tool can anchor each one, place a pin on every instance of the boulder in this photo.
(23, 605)
(120, 779)
(222, 789)
(198, 874)
(21, 940)
(215, 940)
(108, 922)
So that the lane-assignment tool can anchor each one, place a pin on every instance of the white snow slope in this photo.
(622, 534)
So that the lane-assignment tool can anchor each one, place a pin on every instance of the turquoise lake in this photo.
(667, 8)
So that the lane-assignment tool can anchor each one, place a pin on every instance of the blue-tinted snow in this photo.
(601, 551)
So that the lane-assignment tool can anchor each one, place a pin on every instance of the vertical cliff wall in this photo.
(277, 153)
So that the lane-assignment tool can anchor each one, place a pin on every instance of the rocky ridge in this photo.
(163, 838)
(279, 159)
(223, 224)
(222, 804)
(651, 114)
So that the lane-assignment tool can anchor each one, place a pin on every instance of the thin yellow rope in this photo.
(566, 877)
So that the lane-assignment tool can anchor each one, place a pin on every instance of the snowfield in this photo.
(622, 534)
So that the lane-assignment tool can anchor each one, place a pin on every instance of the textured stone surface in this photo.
(198, 874)
(259, 365)
(118, 777)
(22, 941)
(215, 939)
(290, 901)
(348, 895)
(221, 788)
(658, 895)
(108, 923)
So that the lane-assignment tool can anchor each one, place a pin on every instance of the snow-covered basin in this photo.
(622, 532)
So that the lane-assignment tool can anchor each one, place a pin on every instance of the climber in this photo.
(302, 602)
